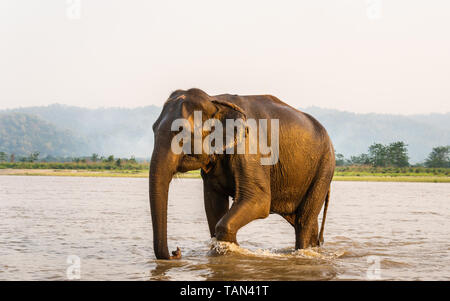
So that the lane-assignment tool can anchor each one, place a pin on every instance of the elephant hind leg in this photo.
(306, 235)
(307, 225)
(300, 233)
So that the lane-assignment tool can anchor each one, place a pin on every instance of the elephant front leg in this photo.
(252, 196)
(240, 214)
(216, 206)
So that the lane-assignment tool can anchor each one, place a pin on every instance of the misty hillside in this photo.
(125, 132)
(22, 134)
(353, 133)
(119, 131)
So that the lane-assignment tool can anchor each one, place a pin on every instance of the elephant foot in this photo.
(307, 242)
(221, 247)
(176, 254)
(227, 236)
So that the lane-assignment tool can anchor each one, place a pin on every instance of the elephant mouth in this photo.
(190, 162)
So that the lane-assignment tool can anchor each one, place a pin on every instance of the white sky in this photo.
(327, 53)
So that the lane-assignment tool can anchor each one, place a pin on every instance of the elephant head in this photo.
(165, 162)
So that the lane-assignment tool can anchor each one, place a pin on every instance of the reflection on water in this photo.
(373, 231)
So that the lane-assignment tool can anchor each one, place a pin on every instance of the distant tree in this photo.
(12, 158)
(132, 160)
(33, 157)
(119, 162)
(76, 160)
(397, 154)
(110, 159)
(394, 154)
(3, 157)
(94, 157)
(362, 159)
(50, 158)
(439, 157)
(378, 154)
(340, 160)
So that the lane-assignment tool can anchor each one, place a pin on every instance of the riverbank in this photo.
(339, 175)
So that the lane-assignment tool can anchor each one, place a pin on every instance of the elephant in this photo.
(296, 186)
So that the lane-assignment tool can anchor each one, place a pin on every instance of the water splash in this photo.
(224, 248)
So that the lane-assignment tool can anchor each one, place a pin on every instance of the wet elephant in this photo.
(296, 185)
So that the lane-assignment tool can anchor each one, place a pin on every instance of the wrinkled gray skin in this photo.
(296, 187)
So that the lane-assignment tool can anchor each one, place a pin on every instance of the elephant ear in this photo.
(227, 110)
(231, 106)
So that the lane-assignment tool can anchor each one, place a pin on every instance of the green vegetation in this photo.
(3, 157)
(395, 155)
(94, 157)
(439, 157)
(23, 134)
(391, 174)
(426, 179)
(33, 157)
(391, 171)
(128, 168)
(97, 166)
(93, 163)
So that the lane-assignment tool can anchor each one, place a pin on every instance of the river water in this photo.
(58, 228)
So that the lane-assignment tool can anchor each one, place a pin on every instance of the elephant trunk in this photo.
(162, 168)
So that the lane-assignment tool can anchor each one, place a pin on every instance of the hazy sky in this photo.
(390, 56)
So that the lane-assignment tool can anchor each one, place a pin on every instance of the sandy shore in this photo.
(72, 173)
(196, 174)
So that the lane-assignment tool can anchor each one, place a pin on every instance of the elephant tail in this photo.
(327, 199)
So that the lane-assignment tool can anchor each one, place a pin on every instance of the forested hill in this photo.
(59, 129)
(22, 134)
(118, 131)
